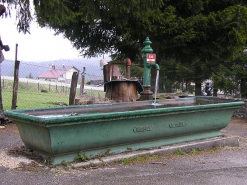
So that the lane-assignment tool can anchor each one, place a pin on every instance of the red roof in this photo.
(51, 74)
(54, 73)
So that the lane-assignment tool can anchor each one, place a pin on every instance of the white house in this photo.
(62, 74)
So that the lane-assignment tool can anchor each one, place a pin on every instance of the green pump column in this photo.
(147, 94)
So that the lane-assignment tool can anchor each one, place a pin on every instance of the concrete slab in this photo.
(203, 144)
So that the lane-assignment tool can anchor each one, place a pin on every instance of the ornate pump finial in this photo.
(147, 48)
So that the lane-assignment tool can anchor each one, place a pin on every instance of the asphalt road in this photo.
(221, 166)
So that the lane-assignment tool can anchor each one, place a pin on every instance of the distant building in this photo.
(62, 74)
(95, 81)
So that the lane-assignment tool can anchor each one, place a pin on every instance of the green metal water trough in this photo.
(61, 133)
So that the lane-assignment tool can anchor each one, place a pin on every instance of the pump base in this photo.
(147, 94)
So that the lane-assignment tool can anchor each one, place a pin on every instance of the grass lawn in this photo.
(28, 99)
(30, 95)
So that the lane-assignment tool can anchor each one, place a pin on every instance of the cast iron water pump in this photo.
(149, 62)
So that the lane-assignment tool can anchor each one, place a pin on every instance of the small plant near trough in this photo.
(179, 152)
(82, 157)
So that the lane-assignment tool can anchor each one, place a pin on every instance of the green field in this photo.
(28, 99)
(30, 95)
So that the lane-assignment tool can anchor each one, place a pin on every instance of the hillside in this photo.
(36, 68)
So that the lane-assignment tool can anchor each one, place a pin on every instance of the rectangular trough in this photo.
(61, 133)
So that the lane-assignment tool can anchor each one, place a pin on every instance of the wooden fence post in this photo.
(16, 80)
(73, 88)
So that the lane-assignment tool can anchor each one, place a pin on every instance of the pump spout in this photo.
(150, 65)
(157, 66)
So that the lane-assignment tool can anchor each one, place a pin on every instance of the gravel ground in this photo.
(10, 138)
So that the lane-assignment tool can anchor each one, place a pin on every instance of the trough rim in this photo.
(18, 115)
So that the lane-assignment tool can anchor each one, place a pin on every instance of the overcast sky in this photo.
(41, 45)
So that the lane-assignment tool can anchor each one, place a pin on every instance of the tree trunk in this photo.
(169, 86)
(243, 87)
(198, 87)
(2, 9)
(215, 92)
(123, 91)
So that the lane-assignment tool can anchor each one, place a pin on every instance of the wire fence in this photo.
(47, 84)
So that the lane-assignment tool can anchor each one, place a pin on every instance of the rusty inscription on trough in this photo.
(143, 128)
(177, 124)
